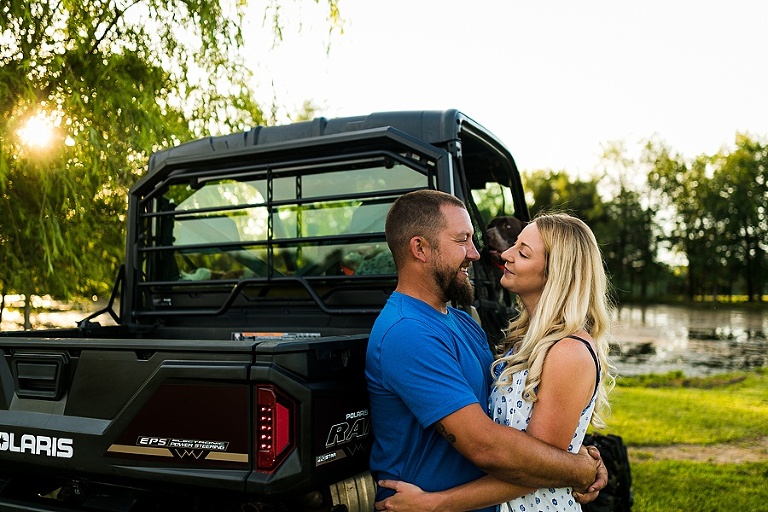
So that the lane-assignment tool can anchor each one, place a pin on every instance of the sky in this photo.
(555, 80)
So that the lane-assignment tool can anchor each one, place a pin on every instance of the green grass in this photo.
(661, 410)
(672, 486)
(669, 409)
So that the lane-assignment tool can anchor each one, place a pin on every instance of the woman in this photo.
(552, 378)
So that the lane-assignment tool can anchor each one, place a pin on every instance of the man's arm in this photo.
(513, 456)
(482, 493)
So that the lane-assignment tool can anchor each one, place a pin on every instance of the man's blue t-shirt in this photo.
(422, 365)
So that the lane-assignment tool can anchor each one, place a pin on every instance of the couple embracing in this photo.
(456, 428)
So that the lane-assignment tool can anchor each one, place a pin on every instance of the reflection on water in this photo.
(659, 339)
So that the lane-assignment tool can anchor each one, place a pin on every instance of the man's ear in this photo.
(419, 248)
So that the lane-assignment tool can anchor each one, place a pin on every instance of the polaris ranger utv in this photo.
(232, 377)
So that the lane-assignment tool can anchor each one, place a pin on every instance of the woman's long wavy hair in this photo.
(575, 297)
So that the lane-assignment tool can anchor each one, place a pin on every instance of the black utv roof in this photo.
(435, 127)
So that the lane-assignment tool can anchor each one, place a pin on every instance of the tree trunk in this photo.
(691, 282)
(749, 277)
(27, 311)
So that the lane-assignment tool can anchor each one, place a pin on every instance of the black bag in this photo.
(617, 495)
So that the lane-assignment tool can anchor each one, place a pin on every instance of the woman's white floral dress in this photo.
(508, 407)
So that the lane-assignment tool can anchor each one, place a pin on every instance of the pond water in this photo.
(697, 341)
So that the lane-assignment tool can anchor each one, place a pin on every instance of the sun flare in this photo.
(38, 132)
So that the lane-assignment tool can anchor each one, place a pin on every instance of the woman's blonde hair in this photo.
(575, 297)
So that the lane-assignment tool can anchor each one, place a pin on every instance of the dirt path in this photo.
(752, 451)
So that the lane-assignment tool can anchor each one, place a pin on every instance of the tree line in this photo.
(669, 227)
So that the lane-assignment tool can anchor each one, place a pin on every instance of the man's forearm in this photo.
(524, 460)
(512, 455)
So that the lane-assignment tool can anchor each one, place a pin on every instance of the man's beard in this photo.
(454, 288)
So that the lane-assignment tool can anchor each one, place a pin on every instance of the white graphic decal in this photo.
(61, 447)
(350, 430)
(189, 444)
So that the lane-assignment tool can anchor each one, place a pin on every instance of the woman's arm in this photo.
(568, 380)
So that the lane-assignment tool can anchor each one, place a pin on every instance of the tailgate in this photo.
(260, 416)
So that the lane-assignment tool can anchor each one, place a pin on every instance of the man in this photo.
(428, 369)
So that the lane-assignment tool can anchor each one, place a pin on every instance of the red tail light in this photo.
(274, 427)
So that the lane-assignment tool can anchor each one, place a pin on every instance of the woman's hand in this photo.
(407, 498)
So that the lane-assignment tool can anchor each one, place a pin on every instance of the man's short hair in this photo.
(417, 213)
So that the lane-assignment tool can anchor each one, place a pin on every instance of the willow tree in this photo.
(113, 80)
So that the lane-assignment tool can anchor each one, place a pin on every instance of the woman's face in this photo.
(524, 265)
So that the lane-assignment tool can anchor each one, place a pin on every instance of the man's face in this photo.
(453, 256)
